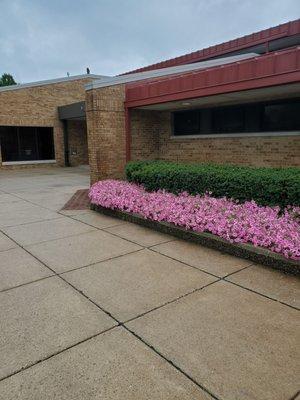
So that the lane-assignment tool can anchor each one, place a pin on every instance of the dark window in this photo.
(281, 117)
(228, 119)
(26, 143)
(186, 123)
(277, 116)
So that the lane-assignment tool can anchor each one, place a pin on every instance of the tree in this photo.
(7, 80)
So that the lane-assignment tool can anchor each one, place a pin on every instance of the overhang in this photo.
(279, 92)
(75, 111)
(268, 70)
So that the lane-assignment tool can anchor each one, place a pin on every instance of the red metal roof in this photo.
(267, 70)
(264, 36)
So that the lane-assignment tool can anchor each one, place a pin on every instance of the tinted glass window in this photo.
(26, 143)
(257, 117)
(282, 117)
(9, 143)
(186, 123)
(228, 120)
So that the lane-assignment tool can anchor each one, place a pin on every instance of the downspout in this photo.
(127, 134)
(66, 142)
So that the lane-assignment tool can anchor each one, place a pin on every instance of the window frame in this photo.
(245, 133)
(20, 132)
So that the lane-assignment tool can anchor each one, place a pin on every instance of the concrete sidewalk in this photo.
(92, 307)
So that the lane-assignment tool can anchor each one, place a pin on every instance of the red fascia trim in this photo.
(264, 36)
(268, 70)
(219, 89)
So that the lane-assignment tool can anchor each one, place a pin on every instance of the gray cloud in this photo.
(42, 39)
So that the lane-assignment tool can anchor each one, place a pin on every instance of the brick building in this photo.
(237, 102)
(35, 127)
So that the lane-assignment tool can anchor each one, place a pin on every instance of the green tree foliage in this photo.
(7, 80)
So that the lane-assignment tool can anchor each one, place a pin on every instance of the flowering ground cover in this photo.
(236, 222)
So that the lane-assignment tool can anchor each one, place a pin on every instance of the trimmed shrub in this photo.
(267, 186)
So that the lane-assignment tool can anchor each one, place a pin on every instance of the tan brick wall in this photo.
(78, 149)
(145, 132)
(37, 106)
(256, 151)
(106, 132)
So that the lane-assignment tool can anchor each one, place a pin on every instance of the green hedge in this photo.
(267, 186)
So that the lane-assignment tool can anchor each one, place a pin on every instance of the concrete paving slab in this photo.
(6, 243)
(208, 260)
(46, 230)
(98, 220)
(133, 284)
(237, 344)
(11, 207)
(7, 198)
(111, 366)
(274, 284)
(72, 213)
(23, 213)
(54, 205)
(81, 250)
(48, 198)
(42, 318)
(18, 267)
(139, 234)
(41, 195)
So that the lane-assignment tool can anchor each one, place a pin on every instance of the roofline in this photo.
(157, 73)
(272, 69)
(50, 82)
(264, 36)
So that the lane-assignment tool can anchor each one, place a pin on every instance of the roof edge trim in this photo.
(157, 73)
(50, 81)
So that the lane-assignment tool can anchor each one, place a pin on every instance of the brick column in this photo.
(59, 143)
(106, 132)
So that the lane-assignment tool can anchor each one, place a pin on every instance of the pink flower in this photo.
(233, 221)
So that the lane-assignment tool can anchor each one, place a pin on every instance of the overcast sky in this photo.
(45, 39)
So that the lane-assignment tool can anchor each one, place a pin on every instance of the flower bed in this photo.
(226, 218)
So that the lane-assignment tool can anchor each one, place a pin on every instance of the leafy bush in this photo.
(267, 186)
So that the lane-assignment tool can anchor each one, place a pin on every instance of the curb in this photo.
(247, 251)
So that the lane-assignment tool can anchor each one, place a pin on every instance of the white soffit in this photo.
(110, 81)
(285, 91)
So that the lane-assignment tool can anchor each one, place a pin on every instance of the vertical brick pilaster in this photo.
(106, 132)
